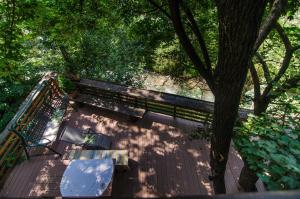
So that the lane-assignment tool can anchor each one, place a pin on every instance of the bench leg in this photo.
(26, 152)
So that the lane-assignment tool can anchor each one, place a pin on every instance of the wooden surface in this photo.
(109, 105)
(119, 156)
(163, 161)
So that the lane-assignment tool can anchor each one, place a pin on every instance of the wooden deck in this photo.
(163, 161)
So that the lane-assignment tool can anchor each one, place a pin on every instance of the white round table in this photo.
(87, 178)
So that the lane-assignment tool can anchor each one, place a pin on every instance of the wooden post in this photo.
(146, 104)
(174, 111)
(136, 101)
(119, 97)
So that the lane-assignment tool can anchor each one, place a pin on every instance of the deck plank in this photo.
(163, 161)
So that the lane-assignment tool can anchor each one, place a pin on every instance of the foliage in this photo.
(57, 116)
(11, 96)
(272, 56)
(111, 41)
(112, 57)
(66, 84)
(90, 139)
(169, 59)
(9, 159)
(271, 145)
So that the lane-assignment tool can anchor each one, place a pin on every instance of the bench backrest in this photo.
(11, 149)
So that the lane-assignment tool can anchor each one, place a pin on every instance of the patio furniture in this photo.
(87, 178)
(42, 128)
(120, 157)
(88, 140)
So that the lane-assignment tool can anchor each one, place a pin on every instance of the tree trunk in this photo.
(70, 70)
(65, 55)
(239, 22)
(261, 105)
(248, 177)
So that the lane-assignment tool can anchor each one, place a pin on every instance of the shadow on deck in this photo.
(163, 161)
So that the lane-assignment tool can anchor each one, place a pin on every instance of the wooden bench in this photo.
(119, 156)
(133, 112)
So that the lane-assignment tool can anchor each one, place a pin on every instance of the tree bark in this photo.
(248, 179)
(278, 7)
(69, 69)
(239, 23)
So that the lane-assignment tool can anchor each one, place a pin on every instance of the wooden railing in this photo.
(11, 149)
(165, 103)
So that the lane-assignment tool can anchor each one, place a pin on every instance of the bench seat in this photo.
(110, 105)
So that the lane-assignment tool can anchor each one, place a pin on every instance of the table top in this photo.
(87, 178)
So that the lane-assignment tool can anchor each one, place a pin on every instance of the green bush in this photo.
(271, 147)
(66, 84)
(12, 95)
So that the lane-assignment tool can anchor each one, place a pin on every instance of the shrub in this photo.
(66, 84)
(271, 146)
(12, 95)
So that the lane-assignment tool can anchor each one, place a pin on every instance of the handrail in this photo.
(173, 104)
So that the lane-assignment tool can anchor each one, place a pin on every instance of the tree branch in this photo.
(146, 12)
(264, 67)
(283, 37)
(286, 60)
(160, 8)
(255, 79)
(276, 10)
(186, 43)
(286, 85)
(65, 54)
(196, 30)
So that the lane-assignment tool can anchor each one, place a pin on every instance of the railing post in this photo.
(146, 104)
(119, 97)
(136, 101)
(174, 111)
